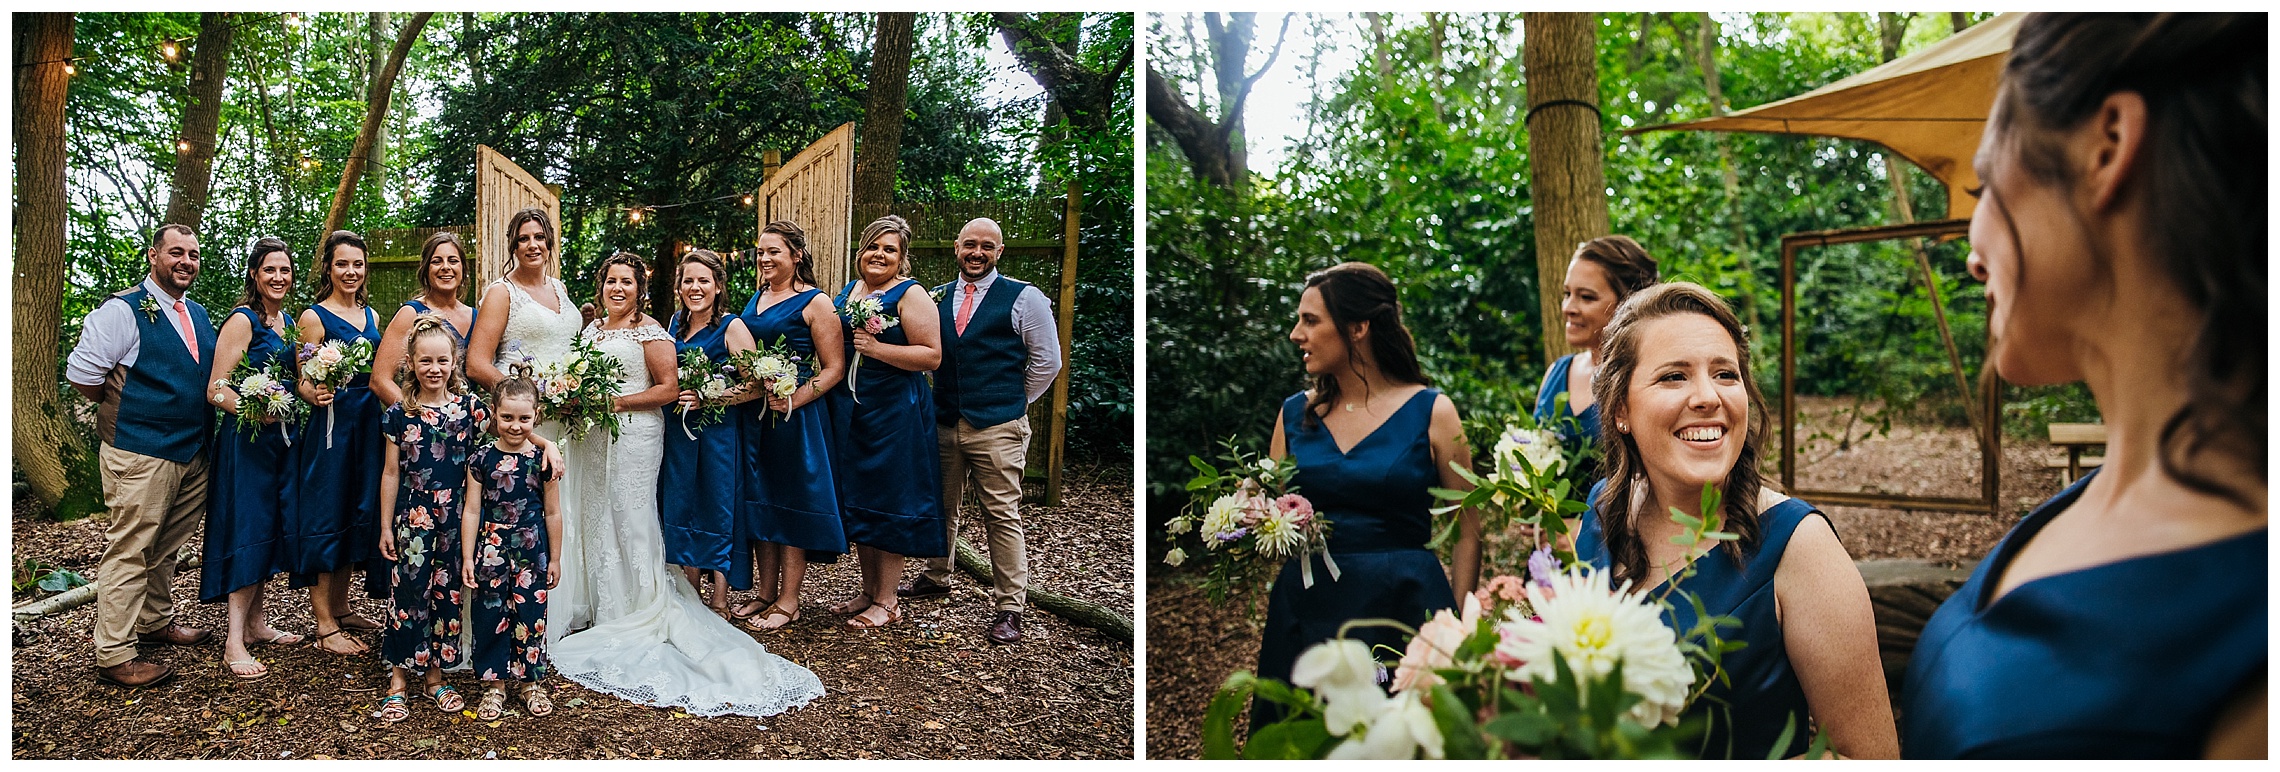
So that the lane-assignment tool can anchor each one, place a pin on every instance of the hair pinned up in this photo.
(430, 325)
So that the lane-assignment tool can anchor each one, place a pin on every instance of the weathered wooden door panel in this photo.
(816, 190)
(501, 190)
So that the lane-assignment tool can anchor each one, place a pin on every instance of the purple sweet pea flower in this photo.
(1541, 567)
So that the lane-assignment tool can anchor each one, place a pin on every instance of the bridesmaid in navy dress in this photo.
(2122, 236)
(1370, 440)
(791, 499)
(697, 488)
(889, 471)
(443, 270)
(1682, 413)
(245, 506)
(335, 517)
(1603, 272)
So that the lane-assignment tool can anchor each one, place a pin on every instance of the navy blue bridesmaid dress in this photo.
(1762, 692)
(1576, 430)
(245, 503)
(472, 315)
(889, 467)
(790, 495)
(335, 517)
(1377, 500)
(2127, 660)
(697, 491)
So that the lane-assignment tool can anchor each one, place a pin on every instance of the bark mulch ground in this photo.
(1194, 643)
(932, 687)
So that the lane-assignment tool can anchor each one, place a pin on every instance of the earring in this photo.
(1623, 426)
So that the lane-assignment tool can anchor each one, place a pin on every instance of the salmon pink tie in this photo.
(966, 308)
(182, 317)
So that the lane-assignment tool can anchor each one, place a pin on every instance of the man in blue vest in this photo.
(143, 357)
(1000, 351)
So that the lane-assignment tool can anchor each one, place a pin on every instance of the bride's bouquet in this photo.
(262, 393)
(773, 367)
(1247, 521)
(332, 364)
(868, 314)
(580, 390)
(710, 382)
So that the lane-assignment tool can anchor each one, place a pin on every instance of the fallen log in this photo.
(85, 593)
(1078, 612)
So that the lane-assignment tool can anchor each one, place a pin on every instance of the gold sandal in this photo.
(534, 699)
(494, 704)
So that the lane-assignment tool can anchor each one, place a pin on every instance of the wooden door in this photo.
(816, 190)
(501, 190)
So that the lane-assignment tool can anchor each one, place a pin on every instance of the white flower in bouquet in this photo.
(1279, 535)
(255, 383)
(712, 389)
(1180, 525)
(1341, 673)
(1594, 627)
(1175, 557)
(1541, 448)
(1435, 647)
(1402, 727)
(1223, 516)
(782, 388)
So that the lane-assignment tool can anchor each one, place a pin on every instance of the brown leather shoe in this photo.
(921, 587)
(134, 673)
(177, 635)
(1007, 628)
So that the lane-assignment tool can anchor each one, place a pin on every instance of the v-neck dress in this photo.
(245, 504)
(335, 518)
(699, 480)
(1762, 692)
(888, 461)
(1575, 429)
(2127, 660)
(1377, 500)
(790, 495)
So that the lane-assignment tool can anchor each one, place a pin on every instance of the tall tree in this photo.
(201, 115)
(1706, 51)
(881, 141)
(374, 112)
(375, 40)
(1047, 45)
(42, 434)
(1214, 151)
(1567, 176)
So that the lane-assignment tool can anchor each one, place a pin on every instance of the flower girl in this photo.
(428, 437)
(511, 551)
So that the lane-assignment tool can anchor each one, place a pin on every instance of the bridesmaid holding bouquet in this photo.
(698, 481)
(335, 518)
(245, 511)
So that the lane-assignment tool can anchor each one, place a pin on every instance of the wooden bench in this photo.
(2075, 438)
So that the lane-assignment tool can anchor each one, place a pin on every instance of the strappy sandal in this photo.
(367, 626)
(319, 643)
(763, 626)
(494, 704)
(850, 606)
(861, 622)
(439, 692)
(282, 638)
(534, 700)
(393, 708)
(740, 616)
(231, 667)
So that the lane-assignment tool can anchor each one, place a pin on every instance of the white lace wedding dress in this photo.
(651, 639)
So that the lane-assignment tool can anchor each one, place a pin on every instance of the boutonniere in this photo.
(150, 308)
(939, 293)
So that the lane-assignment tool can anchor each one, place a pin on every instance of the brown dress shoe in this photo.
(134, 673)
(1007, 628)
(921, 587)
(177, 635)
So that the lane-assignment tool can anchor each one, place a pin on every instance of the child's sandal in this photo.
(534, 699)
(393, 708)
(494, 704)
(446, 699)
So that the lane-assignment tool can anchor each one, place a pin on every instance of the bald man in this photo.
(1000, 352)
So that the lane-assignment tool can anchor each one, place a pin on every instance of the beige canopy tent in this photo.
(1929, 106)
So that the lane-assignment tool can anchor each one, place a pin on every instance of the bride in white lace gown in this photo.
(621, 622)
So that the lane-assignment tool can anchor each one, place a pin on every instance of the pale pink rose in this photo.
(1435, 647)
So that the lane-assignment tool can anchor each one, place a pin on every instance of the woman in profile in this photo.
(2121, 234)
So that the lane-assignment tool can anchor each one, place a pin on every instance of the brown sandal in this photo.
(319, 643)
(854, 605)
(764, 618)
(739, 616)
(861, 622)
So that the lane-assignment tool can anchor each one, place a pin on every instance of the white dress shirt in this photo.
(109, 337)
(1033, 319)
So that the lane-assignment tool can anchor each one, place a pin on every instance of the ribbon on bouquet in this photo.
(685, 425)
(1306, 562)
(329, 423)
(285, 434)
(851, 371)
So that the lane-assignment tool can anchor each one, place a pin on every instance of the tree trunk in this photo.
(467, 43)
(1214, 149)
(201, 114)
(373, 113)
(1891, 29)
(376, 172)
(1567, 174)
(1959, 20)
(881, 143)
(1230, 51)
(1078, 612)
(1706, 49)
(42, 434)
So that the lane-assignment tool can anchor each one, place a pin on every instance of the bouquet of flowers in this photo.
(1524, 484)
(1247, 520)
(869, 315)
(710, 382)
(771, 366)
(262, 393)
(1559, 665)
(331, 364)
(580, 390)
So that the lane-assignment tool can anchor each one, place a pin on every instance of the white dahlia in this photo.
(1541, 448)
(1279, 535)
(1341, 673)
(1594, 627)
(1220, 518)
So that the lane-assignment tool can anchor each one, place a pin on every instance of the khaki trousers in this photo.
(996, 458)
(156, 506)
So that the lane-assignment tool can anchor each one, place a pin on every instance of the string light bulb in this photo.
(633, 214)
(70, 68)
(182, 146)
(747, 199)
(171, 50)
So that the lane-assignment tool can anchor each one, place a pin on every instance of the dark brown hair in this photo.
(262, 249)
(514, 230)
(333, 243)
(427, 260)
(1622, 464)
(640, 280)
(2202, 175)
(158, 237)
(1629, 268)
(1354, 293)
(803, 270)
(520, 383)
(878, 229)
(710, 260)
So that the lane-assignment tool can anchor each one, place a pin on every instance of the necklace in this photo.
(1349, 407)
